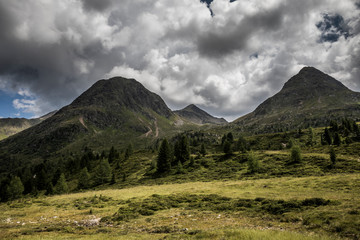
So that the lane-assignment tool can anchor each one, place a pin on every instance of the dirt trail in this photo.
(81, 120)
(148, 132)
(157, 129)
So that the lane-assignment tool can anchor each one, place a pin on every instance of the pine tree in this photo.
(223, 139)
(253, 163)
(332, 155)
(56, 176)
(182, 150)
(290, 143)
(103, 172)
(15, 188)
(227, 148)
(84, 179)
(230, 137)
(113, 178)
(203, 149)
(334, 125)
(241, 144)
(337, 139)
(49, 189)
(61, 185)
(311, 137)
(112, 154)
(163, 160)
(179, 168)
(41, 179)
(128, 151)
(295, 154)
(327, 136)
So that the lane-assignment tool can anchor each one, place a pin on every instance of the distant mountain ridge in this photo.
(11, 126)
(119, 107)
(113, 112)
(196, 115)
(310, 98)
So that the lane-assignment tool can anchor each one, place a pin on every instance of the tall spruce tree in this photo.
(227, 148)
(112, 154)
(84, 179)
(295, 155)
(230, 137)
(332, 155)
(61, 185)
(337, 139)
(311, 137)
(203, 149)
(241, 144)
(327, 136)
(253, 163)
(164, 157)
(182, 150)
(103, 172)
(15, 188)
(129, 151)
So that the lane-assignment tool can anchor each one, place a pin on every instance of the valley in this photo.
(117, 163)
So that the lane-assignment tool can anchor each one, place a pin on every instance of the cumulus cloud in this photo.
(227, 62)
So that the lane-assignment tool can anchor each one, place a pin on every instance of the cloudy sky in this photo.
(225, 56)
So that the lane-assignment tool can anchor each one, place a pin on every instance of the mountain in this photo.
(198, 116)
(11, 126)
(310, 98)
(112, 112)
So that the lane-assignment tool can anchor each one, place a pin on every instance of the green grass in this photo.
(206, 213)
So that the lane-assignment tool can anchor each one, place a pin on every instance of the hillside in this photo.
(310, 98)
(11, 126)
(196, 115)
(114, 112)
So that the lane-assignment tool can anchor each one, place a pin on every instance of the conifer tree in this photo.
(15, 188)
(163, 160)
(182, 150)
(311, 137)
(61, 185)
(103, 172)
(112, 154)
(179, 168)
(337, 139)
(41, 180)
(113, 178)
(230, 137)
(128, 151)
(227, 148)
(295, 154)
(241, 144)
(203, 149)
(332, 155)
(223, 139)
(253, 163)
(84, 179)
(327, 136)
(49, 189)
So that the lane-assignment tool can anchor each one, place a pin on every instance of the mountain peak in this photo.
(311, 79)
(192, 107)
(309, 98)
(196, 115)
(119, 92)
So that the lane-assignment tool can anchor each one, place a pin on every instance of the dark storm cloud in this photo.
(234, 37)
(97, 5)
(332, 27)
(227, 63)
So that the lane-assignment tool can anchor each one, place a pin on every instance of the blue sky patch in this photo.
(332, 27)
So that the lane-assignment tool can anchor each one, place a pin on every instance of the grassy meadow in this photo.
(213, 196)
(233, 209)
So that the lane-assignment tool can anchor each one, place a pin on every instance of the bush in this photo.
(295, 156)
